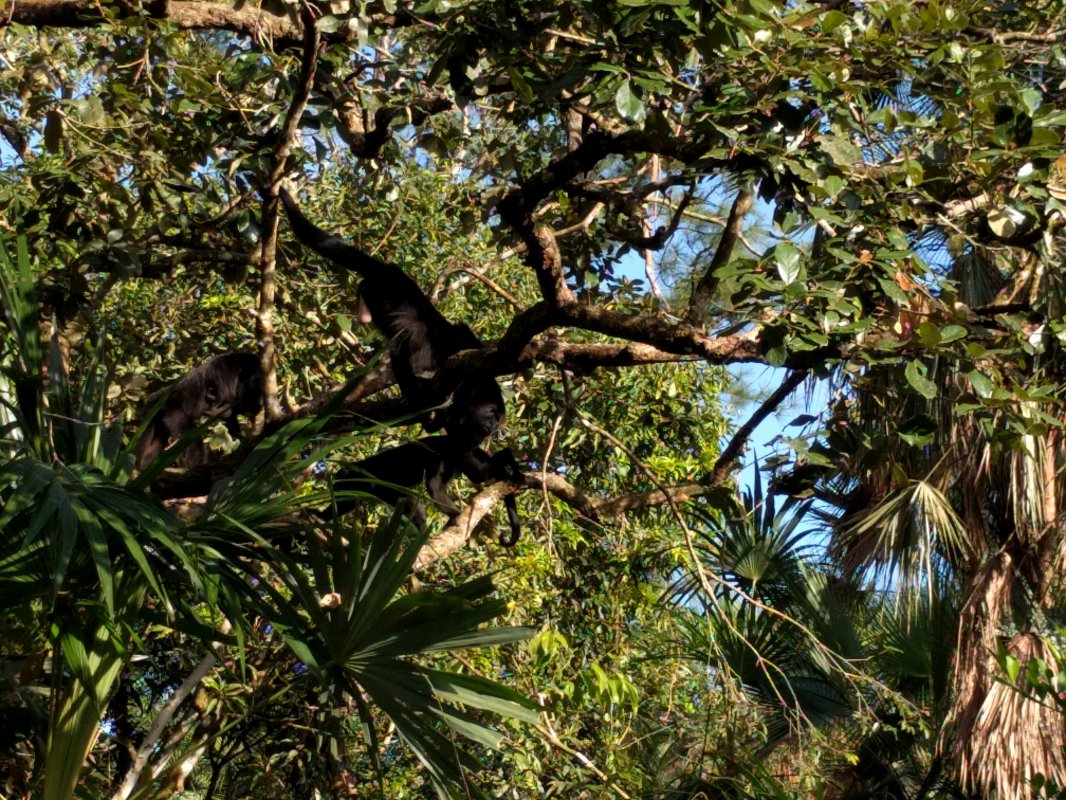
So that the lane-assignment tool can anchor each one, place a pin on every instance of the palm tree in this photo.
(958, 490)
(814, 647)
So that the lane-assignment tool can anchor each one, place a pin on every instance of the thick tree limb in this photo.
(10, 131)
(245, 19)
(367, 142)
(154, 267)
(1005, 37)
(542, 255)
(581, 357)
(518, 204)
(248, 20)
(678, 338)
(455, 536)
(632, 204)
(703, 293)
(634, 501)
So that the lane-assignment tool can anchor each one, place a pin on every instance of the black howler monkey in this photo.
(421, 339)
(223, 386)
(434, 460)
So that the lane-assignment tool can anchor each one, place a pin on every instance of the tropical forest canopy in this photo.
(621, 199)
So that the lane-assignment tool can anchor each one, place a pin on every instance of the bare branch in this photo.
(455, 536)
(249, 20)
(584, 357)
(10, 131)
(967, 205)
(163, 718)
(543, 257)
(1005, 37)
(368, 143)
(703, 294)
(728, 457)
(672, 495)
(678, 338)
(567, 492)
(632, 205)
(518, 204)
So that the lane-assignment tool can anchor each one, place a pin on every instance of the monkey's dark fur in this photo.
(421, 339)
(434, 460)
(223, 386)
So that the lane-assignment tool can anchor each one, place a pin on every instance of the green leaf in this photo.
(918, 431)
(521, 86)
(952, 333)
(834, 185)
(841, 150)
(833, 20)
(789, 262)
(915, 375)
(928, 334)
(628, 102)
(982, 384)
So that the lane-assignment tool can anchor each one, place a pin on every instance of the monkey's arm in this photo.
(340, 252)
(480, 467)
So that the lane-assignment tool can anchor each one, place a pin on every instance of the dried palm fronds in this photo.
(1014, 737)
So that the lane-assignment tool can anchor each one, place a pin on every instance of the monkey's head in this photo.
(232, 384)
(477, 410)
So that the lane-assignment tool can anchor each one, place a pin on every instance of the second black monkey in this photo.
(434, 460)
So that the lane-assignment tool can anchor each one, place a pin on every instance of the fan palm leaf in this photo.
(357, 636)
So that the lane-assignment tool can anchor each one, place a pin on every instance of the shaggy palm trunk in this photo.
(998, 737)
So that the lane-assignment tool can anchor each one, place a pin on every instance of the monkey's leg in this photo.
(436, 483)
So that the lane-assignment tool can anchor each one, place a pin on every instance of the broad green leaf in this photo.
(789, 262)
(982, 384)
(915, 374)
(628, 102)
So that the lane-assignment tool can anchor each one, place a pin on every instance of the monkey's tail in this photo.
(332, 247)
(511, 539)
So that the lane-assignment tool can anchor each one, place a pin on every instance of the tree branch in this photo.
(632, 205)
(248, 20)
(518, 204)
(703, 294)
(10, 131)
(1005, 37)
(269, 250)
(163, 718)
(365, 143)
(728, 457)
(455, 536)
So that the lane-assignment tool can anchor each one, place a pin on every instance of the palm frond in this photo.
(357, 636)
(910, 530)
